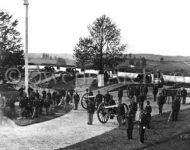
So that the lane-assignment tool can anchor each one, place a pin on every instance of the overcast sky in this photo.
(147, 26)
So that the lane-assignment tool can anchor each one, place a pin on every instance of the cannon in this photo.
(106, 112)
(84, 100)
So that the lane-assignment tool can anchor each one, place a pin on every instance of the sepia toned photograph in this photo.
(94, 75)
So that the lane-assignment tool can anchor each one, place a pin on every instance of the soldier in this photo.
(76, 100)
(99, 99)
(142, 125)
(22, 104)
(37, 94)
(148, 110)
(141, 100)
(133, 106)
(107, 97)
(137, 92)
(120, 95)
(71, 92)
(155, 92)
(161, 101)
(176, 108)
(35, 107)
(67, 98)
(130, 123)
(47, 105)
(90, 110)
(183, 95)
(44, 93)
(54, 96)
(49, 97)
(120, 113)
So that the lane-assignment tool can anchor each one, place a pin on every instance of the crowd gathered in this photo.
(138, 101)
(38, 103)
(43, 101)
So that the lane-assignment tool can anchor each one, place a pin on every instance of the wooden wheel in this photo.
(102, 113)
(84, 100)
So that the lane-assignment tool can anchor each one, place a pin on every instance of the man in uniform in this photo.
(90, 110)
(133, 106)
(107, 97)
(142, 125)
(155, 92)
(99, 99)
(130, 123)
(120, 95)
(183, 95)
(76, 100)
(176, 108)
(148, 110)
(161, 101)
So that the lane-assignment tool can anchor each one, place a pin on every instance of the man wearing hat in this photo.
(90, 110)
(161, 101)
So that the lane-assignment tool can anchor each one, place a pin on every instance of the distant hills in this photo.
(147, 56)
(166, 58)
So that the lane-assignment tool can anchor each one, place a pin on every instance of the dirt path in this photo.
(58, 133)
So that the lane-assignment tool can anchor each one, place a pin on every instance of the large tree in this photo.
(102, 48)
(11, 53)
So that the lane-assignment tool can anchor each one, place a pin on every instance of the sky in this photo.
(147, 26)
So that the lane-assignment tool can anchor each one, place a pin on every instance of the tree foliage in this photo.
(102, 48)
(11, 53)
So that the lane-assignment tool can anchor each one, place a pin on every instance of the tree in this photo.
(11, 51)
(101, 47)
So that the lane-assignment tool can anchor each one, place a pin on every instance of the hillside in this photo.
(166, 58)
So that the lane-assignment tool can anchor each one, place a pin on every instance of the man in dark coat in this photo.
(76, 100)
(155, 91)
(148, 111)
(120, 95)
(107, 97)
(90, 111)
(137, 92)
(44, 93)
(176, 108)
(141, 100)
(120, 113)
(160, 101)
(134, 107)
(130, 123)
(99, 99)
(142, 125)
(183, 95)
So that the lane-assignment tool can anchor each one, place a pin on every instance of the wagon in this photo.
(106, 112)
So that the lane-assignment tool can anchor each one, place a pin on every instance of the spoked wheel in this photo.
(84, 100)
(102, 113)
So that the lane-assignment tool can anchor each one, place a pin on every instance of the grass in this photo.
(58, 111)
(161, 132)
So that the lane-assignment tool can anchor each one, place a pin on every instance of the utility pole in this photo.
(26, 47)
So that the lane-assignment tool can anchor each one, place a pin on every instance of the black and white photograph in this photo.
(94, 75)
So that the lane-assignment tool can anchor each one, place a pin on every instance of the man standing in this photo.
(90, 111)
(161, 101)
(120, 95)
(155, 92)
(142, 125)
(99, 99)
(107, 97)
(175, 108)
(76, 100)
(183, 95)
(148, 110)
(133, 106)
(120, 113)
(130, 123)
(141, 100)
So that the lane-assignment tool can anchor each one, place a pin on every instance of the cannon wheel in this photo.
(102, 113)
(83, 100)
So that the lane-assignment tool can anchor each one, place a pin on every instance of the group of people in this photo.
(33, 104)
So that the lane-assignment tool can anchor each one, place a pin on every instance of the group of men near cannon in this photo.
(137, 96)
(33, 104)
